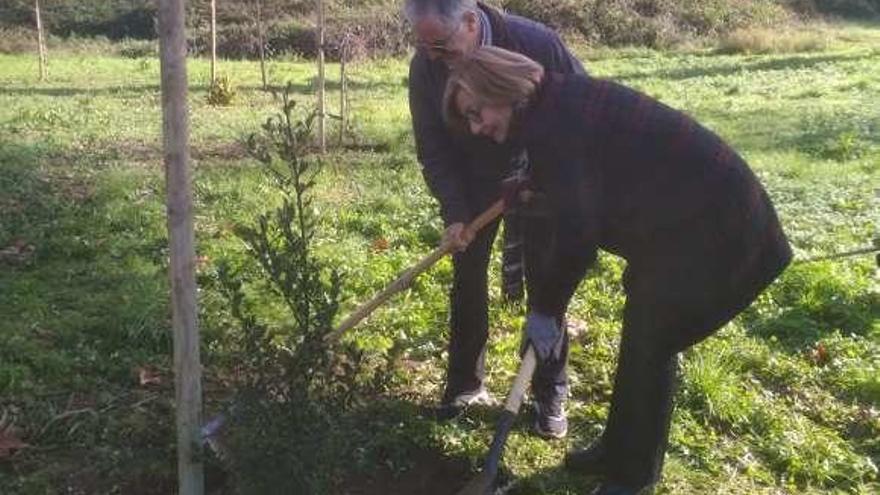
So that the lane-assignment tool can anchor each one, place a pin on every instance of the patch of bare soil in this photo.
(431, 474)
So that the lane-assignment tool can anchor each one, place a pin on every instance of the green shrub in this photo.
(221, 93)
(292, 389)
(138, 49)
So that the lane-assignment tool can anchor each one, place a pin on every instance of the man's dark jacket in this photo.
(458, 167)
(626, 173)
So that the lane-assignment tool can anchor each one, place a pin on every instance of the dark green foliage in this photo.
(648, 22)
(370, 28)
(375, 28)
(367, 33)
(116, 19)
(855, 9)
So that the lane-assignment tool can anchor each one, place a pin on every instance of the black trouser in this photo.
(671, 306)
(637, 429)
(469, 324)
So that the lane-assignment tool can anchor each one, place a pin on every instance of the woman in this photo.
(622, 172)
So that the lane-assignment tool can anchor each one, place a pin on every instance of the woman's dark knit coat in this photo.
(625, 173)
(634, 177)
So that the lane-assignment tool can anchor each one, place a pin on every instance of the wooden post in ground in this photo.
(262, 43)
(175, 132)
(213, 42)
(41, 42)
(343, 91)
(322, 109)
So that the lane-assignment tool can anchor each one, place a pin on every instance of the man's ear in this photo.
(471, 21)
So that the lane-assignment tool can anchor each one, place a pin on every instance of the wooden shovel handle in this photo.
(406, 278)
(522, 380)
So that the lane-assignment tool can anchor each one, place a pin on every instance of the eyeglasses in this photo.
(439, 46)
(472, 115)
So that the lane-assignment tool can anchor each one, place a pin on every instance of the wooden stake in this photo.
(343, 91)
(322, 114)
(213, 42)
(262, 43)
(41, 42)
(175, 132)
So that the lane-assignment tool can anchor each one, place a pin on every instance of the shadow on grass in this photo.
(788, 63)
(394, 447)
(838, 135)
(555, 480)
(141, 89)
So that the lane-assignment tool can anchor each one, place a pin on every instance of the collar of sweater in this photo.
(533, 123)
(485, 29)
(497, 23)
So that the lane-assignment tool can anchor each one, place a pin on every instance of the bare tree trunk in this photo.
(343, 91)
(322, 114)
(41, 42)
(262, 44)
(175, 131)
(213, 42)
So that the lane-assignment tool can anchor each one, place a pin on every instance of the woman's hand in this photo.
(544, 335)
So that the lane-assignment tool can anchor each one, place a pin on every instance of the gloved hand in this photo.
(544, 335)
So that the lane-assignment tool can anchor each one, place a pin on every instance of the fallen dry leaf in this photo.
(18, 252)
(202, 261)
(148, 376)
(380, 244)
(820, 355)
(9, 442)
(575, 327)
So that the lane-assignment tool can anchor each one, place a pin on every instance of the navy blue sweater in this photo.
(453, 164)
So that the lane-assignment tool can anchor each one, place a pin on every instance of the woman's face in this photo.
(491, 121)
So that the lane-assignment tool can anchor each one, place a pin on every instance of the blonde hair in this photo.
(493, 76)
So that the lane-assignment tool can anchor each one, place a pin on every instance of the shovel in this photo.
(406, 278)
(484, 483)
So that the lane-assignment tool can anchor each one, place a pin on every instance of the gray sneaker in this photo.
(550, 420)
(452, 408)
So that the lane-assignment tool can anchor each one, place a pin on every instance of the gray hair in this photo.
(449, 12)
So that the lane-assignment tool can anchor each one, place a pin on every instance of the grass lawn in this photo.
(786, 399)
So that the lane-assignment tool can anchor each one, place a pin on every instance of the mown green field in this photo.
(786, 399)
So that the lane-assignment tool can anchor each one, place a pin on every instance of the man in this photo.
(465, 174)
